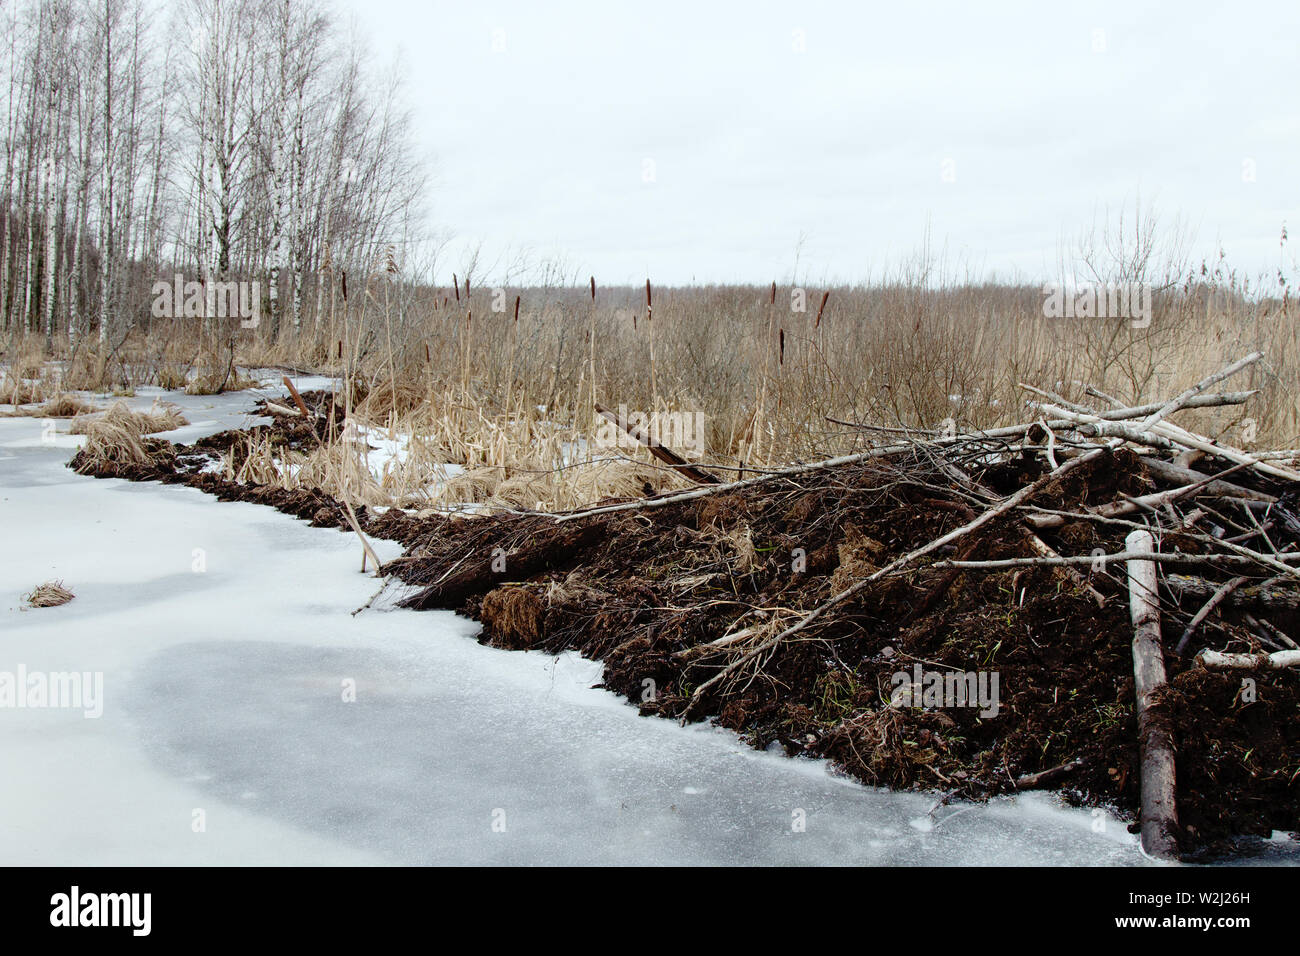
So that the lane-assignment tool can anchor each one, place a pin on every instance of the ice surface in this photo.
(224, 692)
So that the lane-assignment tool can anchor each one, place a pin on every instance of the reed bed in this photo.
(503, 382)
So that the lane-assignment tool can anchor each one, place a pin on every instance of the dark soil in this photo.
(645, 591)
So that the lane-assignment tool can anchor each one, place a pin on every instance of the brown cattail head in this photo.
(772, 301)
(345, 285)
(469, 317)
(426, 353)
(821, 308)
(516, 309)
(340, 348)
(647, 295)
(467, 287)
(782, 346)
(455, 285)
(593, 288)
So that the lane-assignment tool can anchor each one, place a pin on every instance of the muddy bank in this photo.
(668, 597)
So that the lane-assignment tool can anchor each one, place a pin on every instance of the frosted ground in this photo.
(224, 693)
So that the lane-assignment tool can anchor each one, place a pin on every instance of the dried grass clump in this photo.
(336, 468)
(111, 442)
(161, 417)
(172, 379)
(240, 382)
(860, 556)
(474, 486)
(49, 594)
(26, 379)
(879, 747)
(21, 392)
(263, 463)
(214, 383)
(341, 469)
(514, 616)
(528, 490)
(388, 398)
(115, 438)
(60, 406)
(740, 550)
(64, 406)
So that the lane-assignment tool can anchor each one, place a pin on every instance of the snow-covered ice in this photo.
(225, 702)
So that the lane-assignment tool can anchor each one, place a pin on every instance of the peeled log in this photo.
(1155, 737)
(1219, 661)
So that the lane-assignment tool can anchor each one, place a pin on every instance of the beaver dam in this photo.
(1098, 602)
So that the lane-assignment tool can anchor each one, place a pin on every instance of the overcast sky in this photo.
(699, 141)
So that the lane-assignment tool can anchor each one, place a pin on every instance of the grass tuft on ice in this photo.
(49, 594)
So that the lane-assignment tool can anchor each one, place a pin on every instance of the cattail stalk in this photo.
(514, 343)
(591, 346)
(650, 332)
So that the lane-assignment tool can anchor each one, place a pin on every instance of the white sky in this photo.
(543, 146)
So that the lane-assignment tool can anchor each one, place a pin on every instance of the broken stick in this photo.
(1215, 600)
(366, 549)
(659, 450)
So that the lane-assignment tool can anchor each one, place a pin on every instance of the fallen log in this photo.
(481, 571)
(1172, 557)
(1137, 411)
(275, 409)
(1167, 436)
(1266, 594)
(1216, 660)
(1176, 474)
(1125, 431)
(1181, 436)
(1155, 737)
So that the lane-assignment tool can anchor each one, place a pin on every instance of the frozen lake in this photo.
(244, 696)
